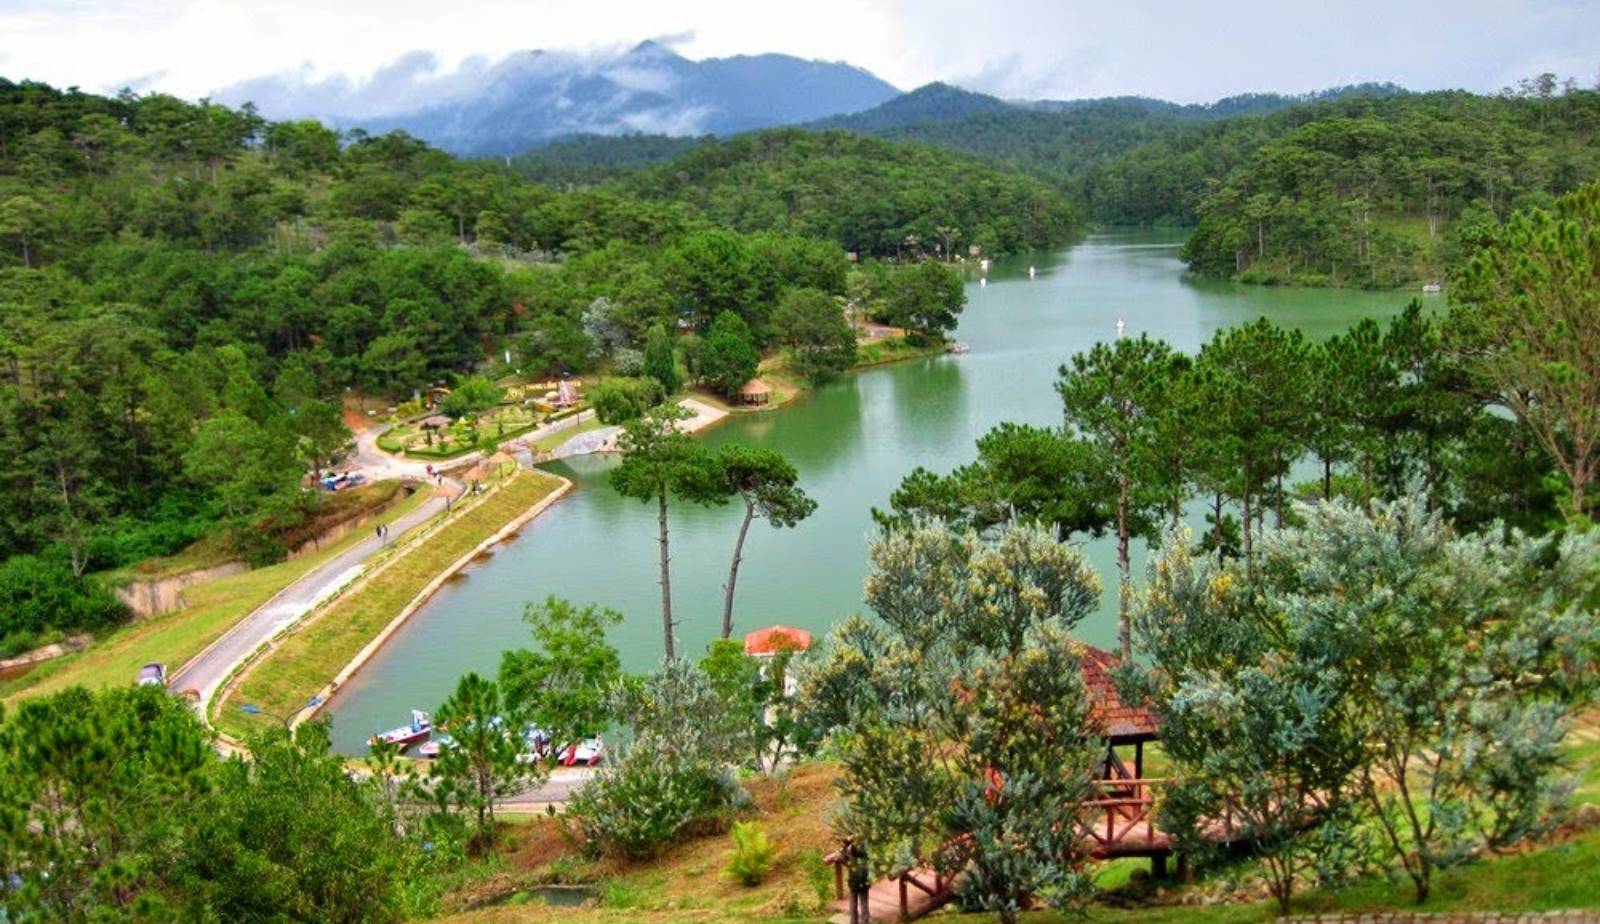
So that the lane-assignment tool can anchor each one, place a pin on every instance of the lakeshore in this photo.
(852, 439)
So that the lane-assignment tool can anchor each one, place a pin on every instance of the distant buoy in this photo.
(1032, 272)
(983, 282)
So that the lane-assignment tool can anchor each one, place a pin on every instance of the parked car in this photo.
(153, 674)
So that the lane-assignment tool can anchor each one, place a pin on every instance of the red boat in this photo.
(406, 735)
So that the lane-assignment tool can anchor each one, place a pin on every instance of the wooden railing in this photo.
(1125, 804)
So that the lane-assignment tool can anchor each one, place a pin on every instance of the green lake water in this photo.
(852, 441)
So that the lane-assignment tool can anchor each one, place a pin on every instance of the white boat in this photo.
(406, 735)
(431, 748)
(1032, 272)
(1432, 288)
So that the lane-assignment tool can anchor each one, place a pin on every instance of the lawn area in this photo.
(316, 650)
(175, 637)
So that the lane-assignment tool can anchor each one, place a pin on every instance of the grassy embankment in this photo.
(214, 607)
(311, 654)
(547, 443)
(787, 383)
(686, 886)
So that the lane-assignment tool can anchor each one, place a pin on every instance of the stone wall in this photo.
(163, 595)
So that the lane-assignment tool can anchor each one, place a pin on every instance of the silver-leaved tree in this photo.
(1377, 667)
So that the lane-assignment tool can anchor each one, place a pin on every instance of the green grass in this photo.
(309, 657)
(175, 637)
(893, 350)
(547, 443)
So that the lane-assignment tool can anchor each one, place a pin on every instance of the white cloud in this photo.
(362, 49)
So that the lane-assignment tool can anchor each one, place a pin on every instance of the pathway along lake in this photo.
(852, 441)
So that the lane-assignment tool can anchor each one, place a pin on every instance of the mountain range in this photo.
(534, 97)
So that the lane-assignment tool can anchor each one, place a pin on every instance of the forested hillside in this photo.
(1059, 140)
(587, 160)
(187, 290)
(873, 196)
(1359, 191)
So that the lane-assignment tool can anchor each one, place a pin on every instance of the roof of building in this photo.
(774, 639)
(755, 387)
(1122, 723)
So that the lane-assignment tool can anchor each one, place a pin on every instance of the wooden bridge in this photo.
(1118, 823)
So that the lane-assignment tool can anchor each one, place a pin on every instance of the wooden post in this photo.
(1158, 866)
(1138, 759)
(838, 880)
(905, 908)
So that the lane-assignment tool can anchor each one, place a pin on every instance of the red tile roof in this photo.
(1122, 723)
(774, 639)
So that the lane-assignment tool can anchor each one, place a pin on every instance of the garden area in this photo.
(477, 414)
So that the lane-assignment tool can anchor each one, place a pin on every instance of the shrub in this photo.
(39, 595)
(618, 400)
(646, 801)
(753, 854)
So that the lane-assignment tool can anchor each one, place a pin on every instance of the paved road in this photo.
(206, 672)
(563, 782)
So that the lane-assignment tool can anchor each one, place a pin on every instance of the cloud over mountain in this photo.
(484, 107)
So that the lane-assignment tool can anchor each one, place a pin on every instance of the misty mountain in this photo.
(531, 98)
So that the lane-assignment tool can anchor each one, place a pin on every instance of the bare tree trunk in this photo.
(1124, 586)
(1216, 524)
(666, 575)
(1249, 544)
(733, 570)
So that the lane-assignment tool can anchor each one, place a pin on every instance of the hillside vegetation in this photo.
(187, 292)
(1359, 191)
(873, 196)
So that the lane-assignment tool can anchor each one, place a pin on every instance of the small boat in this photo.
(1032, 272)
(406, 735)
(431, 748)
(1432, 288)
(585, 753)
(956, 346)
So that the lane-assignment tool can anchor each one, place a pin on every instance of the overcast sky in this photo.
(1183, 51)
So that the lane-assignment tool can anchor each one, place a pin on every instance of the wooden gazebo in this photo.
(755, 393)
(1123, 725)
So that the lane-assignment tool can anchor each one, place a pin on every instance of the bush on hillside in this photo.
(753, 854)
(40, 596)
(647, 800)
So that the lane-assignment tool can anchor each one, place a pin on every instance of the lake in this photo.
(853, 441)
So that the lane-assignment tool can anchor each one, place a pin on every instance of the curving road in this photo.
(205, 673)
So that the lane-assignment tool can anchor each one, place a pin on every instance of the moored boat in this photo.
(431, 748)
(586, 753)
(406, 735)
